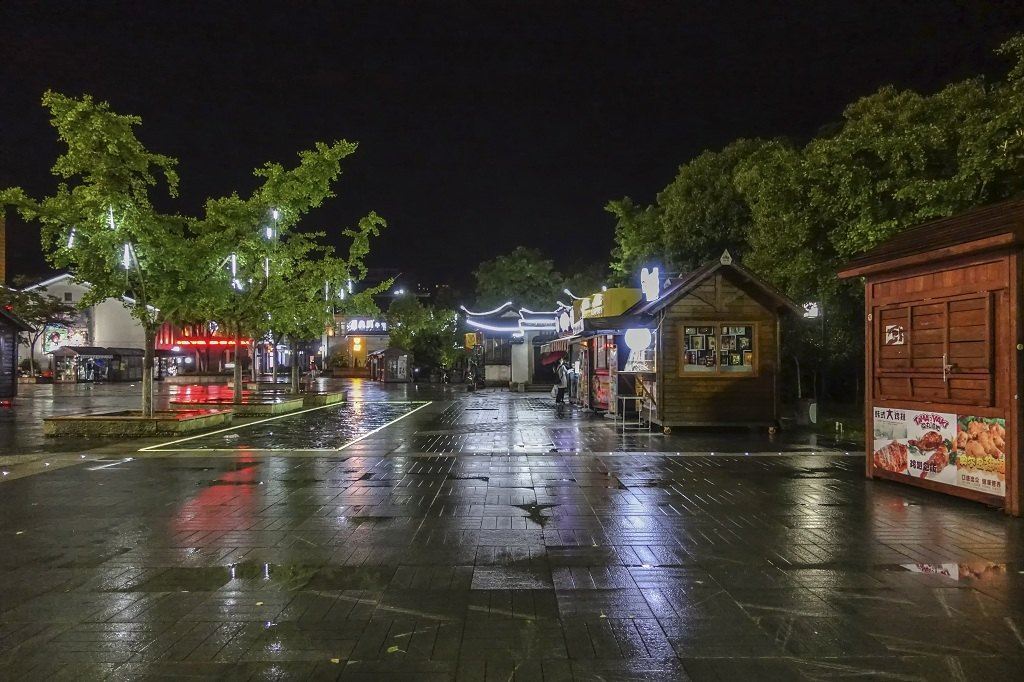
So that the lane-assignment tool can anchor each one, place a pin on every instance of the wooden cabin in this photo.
(943, 334)
(718, 347)
(10, 327)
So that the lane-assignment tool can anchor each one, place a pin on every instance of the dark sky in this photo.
(482, 125)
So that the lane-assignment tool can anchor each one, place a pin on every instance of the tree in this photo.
(523, 276)
(638, 240)
(431, 334)
(39, 311)
(265, 257)
(701, 212)
(100, 223)
(897, 158)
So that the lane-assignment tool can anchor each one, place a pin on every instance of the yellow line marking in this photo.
(160, 446)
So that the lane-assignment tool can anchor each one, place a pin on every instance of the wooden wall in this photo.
(8, 361)
(695, 399)
(963, 309)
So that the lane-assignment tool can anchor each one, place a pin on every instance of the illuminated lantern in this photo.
(638, 339)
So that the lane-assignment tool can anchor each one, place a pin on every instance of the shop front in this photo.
(126, 364)
(943, 337)
(390, 365)
(80, 364)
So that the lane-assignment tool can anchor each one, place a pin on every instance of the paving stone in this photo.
(487, 536)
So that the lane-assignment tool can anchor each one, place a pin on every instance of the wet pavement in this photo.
(430, 534)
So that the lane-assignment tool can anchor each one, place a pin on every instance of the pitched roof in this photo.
(1003, 218)
(738, 274)
(15, 321)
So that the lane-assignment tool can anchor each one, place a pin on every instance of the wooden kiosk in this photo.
(943, 355)
(10, 326)
(717, 333)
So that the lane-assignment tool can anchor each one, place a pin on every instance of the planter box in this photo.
(131, 423)
(321, 399)
(259, 407)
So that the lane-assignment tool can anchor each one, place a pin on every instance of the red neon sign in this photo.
(210, 342)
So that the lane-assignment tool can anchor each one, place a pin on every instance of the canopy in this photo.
(551, 357)
(126, 352)
(81, 351)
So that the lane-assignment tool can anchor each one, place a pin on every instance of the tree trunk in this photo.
(237, 372)
(32, 356)
(295, 365)
(254, 370)
(147, 372)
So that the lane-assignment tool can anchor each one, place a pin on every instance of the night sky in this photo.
(482, 126)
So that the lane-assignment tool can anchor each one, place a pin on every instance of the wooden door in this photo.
(935, 351)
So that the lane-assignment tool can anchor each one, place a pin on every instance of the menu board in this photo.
(962, 451)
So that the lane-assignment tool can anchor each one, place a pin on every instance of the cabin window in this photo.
(720, 348)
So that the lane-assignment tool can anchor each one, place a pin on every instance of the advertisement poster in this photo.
(957, 450)
(58, 335)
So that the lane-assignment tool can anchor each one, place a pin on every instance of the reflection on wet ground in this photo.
(384, 561)
(327, 428)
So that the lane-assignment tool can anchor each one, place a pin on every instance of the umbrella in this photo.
(552, 357)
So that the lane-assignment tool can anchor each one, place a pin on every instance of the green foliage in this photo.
(102, 207)
(701, 213)
(101, 225)
(696, 217)
(523, 276)
(430, 334)
(638, 239)
(898, 158)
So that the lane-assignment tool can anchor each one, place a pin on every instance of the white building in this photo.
(106, 324)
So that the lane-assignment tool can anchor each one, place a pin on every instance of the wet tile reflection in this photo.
(385, 562)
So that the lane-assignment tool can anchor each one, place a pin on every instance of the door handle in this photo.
(947, 369)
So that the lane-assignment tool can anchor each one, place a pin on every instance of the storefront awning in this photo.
(555, 346)
(81, 351)
(127, 352)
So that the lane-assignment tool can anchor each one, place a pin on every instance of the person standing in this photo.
(563, 380)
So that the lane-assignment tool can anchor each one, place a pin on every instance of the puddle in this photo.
(321, 429)
(452, 477)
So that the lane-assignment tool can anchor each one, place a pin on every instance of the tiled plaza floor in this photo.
(487, 536)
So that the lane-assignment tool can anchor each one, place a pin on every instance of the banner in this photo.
(962, 451)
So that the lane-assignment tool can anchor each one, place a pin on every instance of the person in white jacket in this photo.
(563, 380)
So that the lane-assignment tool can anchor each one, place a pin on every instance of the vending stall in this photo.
(943, 336)
(390, 365)
(717, 352)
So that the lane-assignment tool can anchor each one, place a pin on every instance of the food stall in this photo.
(943, 341)
(390, 365)
(712, 354)
(73, 364)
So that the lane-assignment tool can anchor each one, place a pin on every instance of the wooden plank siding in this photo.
(721, 398)
(961, 313)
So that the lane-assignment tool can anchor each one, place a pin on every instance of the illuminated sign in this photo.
(365, 325)
(650, 284)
